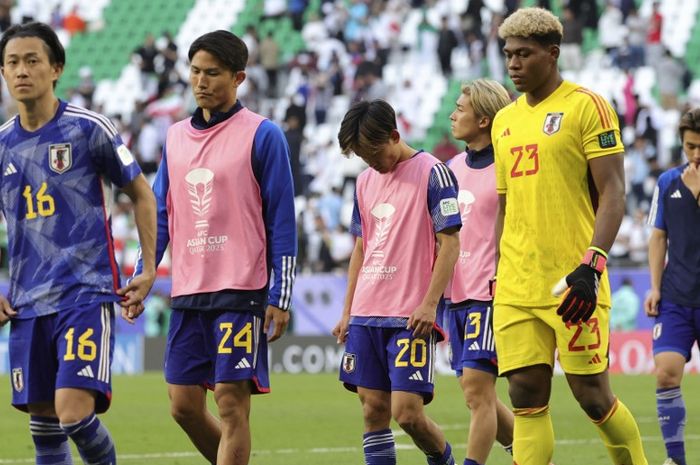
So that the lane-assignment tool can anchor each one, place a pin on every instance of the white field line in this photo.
(335, 450)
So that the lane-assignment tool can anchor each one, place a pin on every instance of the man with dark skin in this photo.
(559, 175)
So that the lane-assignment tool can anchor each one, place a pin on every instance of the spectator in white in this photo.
(250, 38)
(148, 146)
(670, 80)
(637, 28)
(570, 57)
(610, 30)
(636, 171)
(625, 307)
(639, 238)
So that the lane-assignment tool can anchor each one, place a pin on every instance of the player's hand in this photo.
(651, 303)
(132, 312)
(581, 286)
(277, 316)
(6, 311)
(341, 329)
(134, 294)
(422, 320)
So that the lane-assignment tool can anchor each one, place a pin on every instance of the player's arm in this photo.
(422, 320)
(444, 212)
(658, 245)
(356, 259)
(137, 289)
(609, 178)
(582, 284)
(274, 173)
(500, 221)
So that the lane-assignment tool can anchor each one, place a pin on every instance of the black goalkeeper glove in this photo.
(581, 287)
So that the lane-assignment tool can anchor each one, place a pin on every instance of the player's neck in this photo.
(480, 142)
(35, 114)
(545, 90)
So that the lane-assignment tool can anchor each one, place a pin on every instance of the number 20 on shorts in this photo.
(417, 350)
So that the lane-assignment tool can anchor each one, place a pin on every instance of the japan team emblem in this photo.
(552, 123)
(348, 362)
(60, 157)
(17, 379)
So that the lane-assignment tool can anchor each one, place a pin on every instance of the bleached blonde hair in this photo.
(486, 96)
(533, 23)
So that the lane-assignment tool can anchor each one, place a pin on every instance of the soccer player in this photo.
(471, 312)
(674, 298)
(58, 164)
(559, 176)
(226, 206)
(405, 207)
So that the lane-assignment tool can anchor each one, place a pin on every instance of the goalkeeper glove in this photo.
(582, 296)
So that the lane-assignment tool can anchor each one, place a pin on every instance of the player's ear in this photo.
(484, 122)
(554, 51)
(239, 77)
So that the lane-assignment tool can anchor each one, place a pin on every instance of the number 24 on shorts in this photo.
(243, 338)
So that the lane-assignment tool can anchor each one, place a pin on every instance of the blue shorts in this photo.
(216, 346)
(68, 349)
(389, 359)
(676, 329)
(471, 338)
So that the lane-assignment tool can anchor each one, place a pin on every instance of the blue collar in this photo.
(198, 121)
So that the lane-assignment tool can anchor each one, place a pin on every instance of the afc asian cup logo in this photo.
(465, 199)
(200, 184)
(382, 214)
(17, 379)
(552, 123)
(348, 362)
(60, 157)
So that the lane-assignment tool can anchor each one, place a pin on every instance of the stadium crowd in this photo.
(363, 49)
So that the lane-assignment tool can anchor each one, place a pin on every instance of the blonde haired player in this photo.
(471, 311)
(559, 176)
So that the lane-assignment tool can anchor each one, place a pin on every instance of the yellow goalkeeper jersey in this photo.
(542, 155)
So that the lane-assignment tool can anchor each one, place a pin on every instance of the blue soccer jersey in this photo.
(56, 195)
(675, 211)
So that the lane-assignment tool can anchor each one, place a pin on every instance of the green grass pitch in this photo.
(312, 420)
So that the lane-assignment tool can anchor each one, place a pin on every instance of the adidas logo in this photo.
(10, 170)
(474, 346)
(242, 364)
(506, 132)
(416, 376)
(676, 195)
(594, 360)
(86, 372)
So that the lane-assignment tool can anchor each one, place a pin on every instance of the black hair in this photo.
(228, 48)
(53, 46)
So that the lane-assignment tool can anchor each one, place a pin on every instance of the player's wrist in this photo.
(596, 258)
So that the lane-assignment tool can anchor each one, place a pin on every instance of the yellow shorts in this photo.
(527, 336)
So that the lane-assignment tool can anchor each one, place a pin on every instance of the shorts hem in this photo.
(502, 370)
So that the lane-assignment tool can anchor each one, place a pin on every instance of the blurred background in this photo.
(309, 61)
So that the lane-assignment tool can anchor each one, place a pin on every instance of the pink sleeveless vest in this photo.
(478, 204)
(217, 233)
(398, 239)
